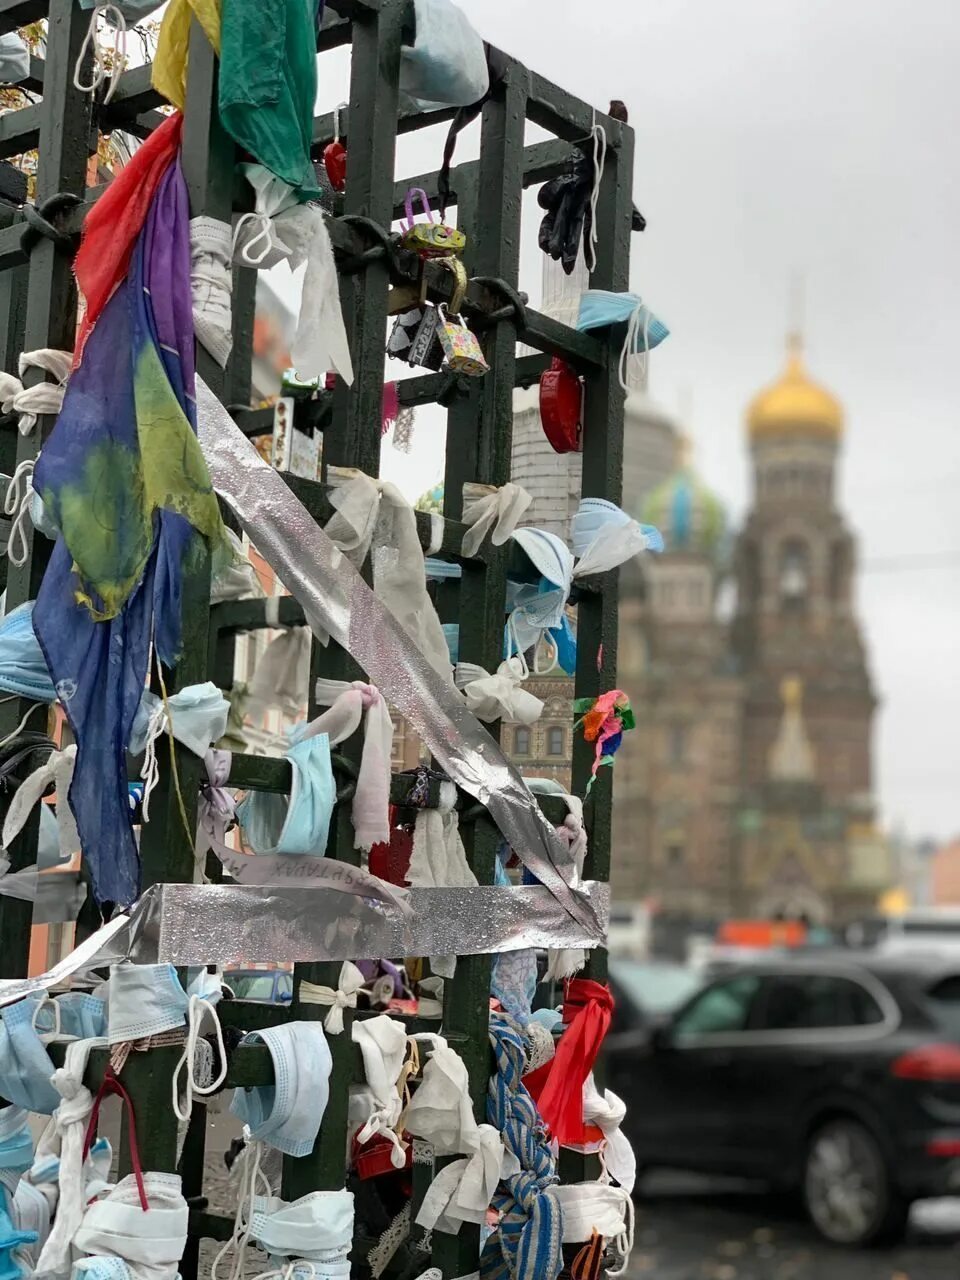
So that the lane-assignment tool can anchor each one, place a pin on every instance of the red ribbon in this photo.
(557, 1086)
(111, 1085)
(111, 227)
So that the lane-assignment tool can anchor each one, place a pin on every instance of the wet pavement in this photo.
(699, 1229)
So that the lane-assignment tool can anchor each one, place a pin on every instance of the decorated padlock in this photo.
(460, 346)
(431, 239)
(426, 350)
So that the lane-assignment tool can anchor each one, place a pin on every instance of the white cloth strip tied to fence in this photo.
(373, 517)
(64, 1138)
(44, 397)
(439, 860)
(58, 770)
(489, 510)
(343, 996)
(442, 1114)
(383, 1046)
(500, 696)
(349, 703)
(607, 1112)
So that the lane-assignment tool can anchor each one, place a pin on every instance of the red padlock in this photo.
(335, 155)
(335, 163)
(561, 407)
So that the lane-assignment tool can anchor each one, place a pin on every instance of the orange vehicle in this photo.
(762, 933)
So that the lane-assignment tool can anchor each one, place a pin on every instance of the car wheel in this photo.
(847, 1186)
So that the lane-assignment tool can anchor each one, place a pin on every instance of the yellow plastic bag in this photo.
(170, 63)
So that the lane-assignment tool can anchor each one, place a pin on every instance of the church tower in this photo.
(795, 567)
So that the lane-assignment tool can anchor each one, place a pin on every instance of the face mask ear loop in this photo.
(265, 234)
(623, 1243)
(546, 639)
(198, 1006)
(22, 725)
(599, 137)
(56, 1016)
(17, 505)
(513, 645)
(175, 773)
(252, 1180)
(99, 73)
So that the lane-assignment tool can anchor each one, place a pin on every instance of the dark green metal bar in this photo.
(354, 437)
(49, 321)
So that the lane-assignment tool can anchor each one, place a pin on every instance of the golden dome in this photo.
(795, 404)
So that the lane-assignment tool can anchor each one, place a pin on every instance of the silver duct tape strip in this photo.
(226, 924)
(332, 591)
(215, 924)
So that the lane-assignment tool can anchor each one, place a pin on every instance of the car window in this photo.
(944, 997)
(722, 1008)
(251, 986)
(807, 1001)
(284, 986)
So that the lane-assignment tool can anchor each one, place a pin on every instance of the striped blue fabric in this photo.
(527, 1243)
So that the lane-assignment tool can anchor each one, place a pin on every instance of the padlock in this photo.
(335, 155)
(431, 239)
(460, 346)
(426, 350)
(561, 407)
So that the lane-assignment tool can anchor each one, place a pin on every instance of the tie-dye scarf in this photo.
(124, 478)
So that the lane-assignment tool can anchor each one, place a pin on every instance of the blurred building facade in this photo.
(747, 789)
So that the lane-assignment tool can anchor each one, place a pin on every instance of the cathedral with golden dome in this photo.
(748, 789)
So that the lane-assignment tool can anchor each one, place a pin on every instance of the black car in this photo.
(837, 1077)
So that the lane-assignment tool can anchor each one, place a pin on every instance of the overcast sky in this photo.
(786, 136)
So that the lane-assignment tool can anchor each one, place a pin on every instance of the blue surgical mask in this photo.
(25, 1066)
(548, 554)
(16, 1146)
(287, 1114)
(596, 515)
(23, 668)
(12, 1242)
(198, 715)
(204, 984)
(75, 1015)
(143, 1000)
(451, 633)
(40, 520)
(599, 308)
(299, 824)
(439, 570)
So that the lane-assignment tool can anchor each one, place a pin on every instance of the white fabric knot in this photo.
(500, 696)
(487, 508)
(383, 1044)
(463, 1190)
(66, 1140)
(45, 397)
(373, 513)
(607, 1112)
(564, 962)
(59, 770)
(343, 996)
(211, 285)
(281, 229)
(439, 860)
(349, 703)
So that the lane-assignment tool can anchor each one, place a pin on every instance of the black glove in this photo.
(568, 218)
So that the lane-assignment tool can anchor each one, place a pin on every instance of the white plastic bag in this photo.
(446, 66)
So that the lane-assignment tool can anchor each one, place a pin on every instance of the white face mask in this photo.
(287, 1114)
(597, 1206)
(151, 1243)
(317, 1228)
(144, 1000)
